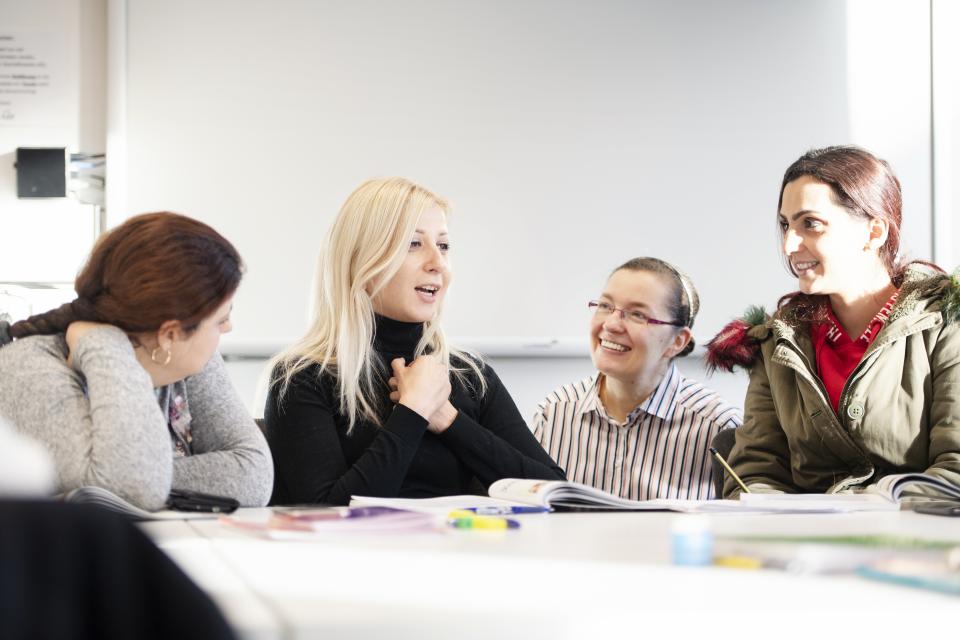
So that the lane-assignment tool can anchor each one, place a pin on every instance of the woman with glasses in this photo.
(374, 401)
(855, 376)
(638, 428)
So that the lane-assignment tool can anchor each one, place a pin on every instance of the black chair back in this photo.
(723, 443)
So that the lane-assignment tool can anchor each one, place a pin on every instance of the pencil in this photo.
(716, 454)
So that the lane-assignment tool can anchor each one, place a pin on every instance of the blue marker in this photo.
(507, 511)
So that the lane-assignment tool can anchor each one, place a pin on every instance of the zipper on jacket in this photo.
(806, 372)
(857, 372)
(816, 383)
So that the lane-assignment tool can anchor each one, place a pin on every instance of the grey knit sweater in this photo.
(103, 425)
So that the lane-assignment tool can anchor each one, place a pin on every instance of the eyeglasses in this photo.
(603, 309)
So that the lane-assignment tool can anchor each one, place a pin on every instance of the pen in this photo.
(506, 511)
(463, 519)
(716, 454)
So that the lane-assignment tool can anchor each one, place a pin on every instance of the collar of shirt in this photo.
(661, 402)
(834, 331)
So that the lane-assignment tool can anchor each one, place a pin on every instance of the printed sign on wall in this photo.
(33, 79)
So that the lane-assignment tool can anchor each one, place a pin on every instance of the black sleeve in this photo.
(309, 460)
(499, 444)
(98, 574)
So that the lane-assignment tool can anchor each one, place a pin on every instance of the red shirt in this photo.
(838, 355)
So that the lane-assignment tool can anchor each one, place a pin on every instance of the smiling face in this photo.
(415, 292)
(831, 251)
(624, 350)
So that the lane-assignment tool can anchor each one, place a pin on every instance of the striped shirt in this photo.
(661, 451)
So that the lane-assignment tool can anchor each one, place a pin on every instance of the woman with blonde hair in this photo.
(373, 400)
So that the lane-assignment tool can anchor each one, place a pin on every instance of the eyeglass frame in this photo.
(594, 305)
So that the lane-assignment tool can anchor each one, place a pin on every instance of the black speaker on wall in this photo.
(41, 172)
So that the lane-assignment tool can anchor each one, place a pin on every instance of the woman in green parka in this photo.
(856, 376)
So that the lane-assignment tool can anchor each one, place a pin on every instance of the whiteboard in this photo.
(569, 137)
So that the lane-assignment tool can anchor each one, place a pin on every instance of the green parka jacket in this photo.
(899, 410)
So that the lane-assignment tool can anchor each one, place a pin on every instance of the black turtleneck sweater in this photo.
(316, 461)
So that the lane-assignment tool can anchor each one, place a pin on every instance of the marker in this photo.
(506, 511)
(733, 474)
(463, 519)
(738, 562)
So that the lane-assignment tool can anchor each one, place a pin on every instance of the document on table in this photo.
(442, 505)
(445, 504)
(582, 497)
(818, 502)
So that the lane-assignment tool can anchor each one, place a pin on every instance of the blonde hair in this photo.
(365, 248)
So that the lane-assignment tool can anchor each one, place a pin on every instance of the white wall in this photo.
(47, 239)
(569, 135)
(946, 126)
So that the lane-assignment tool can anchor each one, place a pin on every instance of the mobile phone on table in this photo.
(181, 500)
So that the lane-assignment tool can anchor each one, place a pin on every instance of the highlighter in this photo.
(468, 520)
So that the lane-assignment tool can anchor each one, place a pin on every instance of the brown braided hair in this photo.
(152, 268)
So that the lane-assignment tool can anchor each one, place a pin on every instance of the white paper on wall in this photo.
(34, 80)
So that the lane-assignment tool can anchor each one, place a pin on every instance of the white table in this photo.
(561, 575)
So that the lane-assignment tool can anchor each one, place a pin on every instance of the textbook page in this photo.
(556, 493)
(903, 486)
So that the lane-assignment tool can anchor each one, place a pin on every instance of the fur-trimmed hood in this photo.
(738, 343)
(923, 288)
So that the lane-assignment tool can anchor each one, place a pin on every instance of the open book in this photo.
(557, 494)
(573, 495)
(884, 495)
(552, 494)
(918, 484)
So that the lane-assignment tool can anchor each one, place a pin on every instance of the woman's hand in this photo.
(424, 387)
(77, 330)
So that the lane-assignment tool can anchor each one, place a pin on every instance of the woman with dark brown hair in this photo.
(855, 376)
(124, 385)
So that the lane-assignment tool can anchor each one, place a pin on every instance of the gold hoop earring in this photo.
(166, 361)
